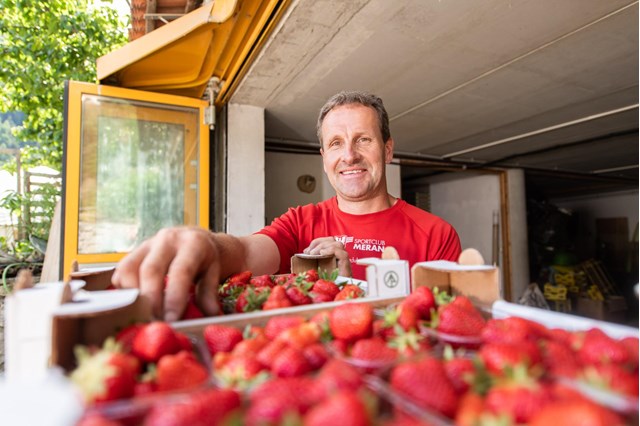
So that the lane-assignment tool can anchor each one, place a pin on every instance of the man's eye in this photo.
(364, 140)
(334, 143)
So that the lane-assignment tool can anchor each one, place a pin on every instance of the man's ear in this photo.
(388, 150)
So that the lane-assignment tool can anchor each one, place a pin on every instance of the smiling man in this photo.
(360, 221)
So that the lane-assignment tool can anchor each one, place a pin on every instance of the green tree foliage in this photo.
(43, 44)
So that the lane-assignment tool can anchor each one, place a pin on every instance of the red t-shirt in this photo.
(417, 235)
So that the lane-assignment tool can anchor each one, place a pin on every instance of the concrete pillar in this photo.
(245, 169)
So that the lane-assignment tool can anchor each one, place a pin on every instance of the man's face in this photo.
(353, 152)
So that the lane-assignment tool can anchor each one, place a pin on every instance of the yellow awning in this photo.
(218, 39)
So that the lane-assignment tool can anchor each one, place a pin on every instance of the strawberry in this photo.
(559, 360)
(155, 340)
(317, 297)
(614, 377)
(513, 330)
(316, 354)
(192, 311)
(180, 371)
(184, 341)
(455, 319)
(301, 336)
(373, 353)
(126, 336)
(460, 372)
(277, 299)
(311, 275)
(336, 374)
(285, 280)
(290, 362)
(598, 348)
(251, 299)
(470, 410)
(576, 412)
(632, 346)
(298, 295)
(343, 408)
(498, 357)
(262, 281)
(271, 401)
(405, 315)
(351, 321)
(270, 351)
(221, 338)
(250, 346)
(349, 291)
(275, 325)
(210, 407)
(242, 278)
(105, 375)
(422, 299)
(519, 401)
(425, 382)
(236, 370)
(327, 287)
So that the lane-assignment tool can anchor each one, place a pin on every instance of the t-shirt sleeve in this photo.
(284, 232)
(449, 248)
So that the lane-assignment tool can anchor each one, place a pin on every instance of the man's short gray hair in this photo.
(354, 97)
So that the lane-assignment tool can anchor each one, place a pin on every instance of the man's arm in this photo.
(188, 256)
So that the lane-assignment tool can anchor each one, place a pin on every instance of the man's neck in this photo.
(373, 205)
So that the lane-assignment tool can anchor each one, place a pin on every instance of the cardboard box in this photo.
(387, 277)
(303, 262)
(612, 309)
(480, 283)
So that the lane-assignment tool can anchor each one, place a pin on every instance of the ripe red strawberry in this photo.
(598, 348)
(632, 346)
(317, 297)
(185, 341)
(458, 321)
(498, 357)
(250, 346)
(425, 382)
(470, 409)
(239, 278)
(460, 372)
(422, 299)
(513, 330)
(576, 412)
(349, 291)
(301, 336)
(105, 375)
(221, 338)
(336, 375)
(311, 275)
(270, 351)
(351, 321)
(262, 281)
(155, 340)
(251, 299)
(209, 407)
(343, 408)
(405, 315)
(277, 299)
(290, 362)
(280, 397)
(237, 369)
(192, 311)
(614, 377)
(519, 401)
(372, 353)
(316, 354)
(126, 336)
(298, 295)
(285, 280)
(180, 371)
(327, 287)
(275, 325)
(559, 360)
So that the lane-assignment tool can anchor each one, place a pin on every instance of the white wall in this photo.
(245, 160)
(282, 172)
(469, 201)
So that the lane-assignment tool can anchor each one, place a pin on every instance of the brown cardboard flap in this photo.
(302, 263)
(92, 328)
(480, 284)
(95, 279)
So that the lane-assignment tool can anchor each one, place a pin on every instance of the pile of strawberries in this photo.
(434, 356)
(243, 292)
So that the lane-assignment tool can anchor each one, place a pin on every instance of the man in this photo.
(362, 219)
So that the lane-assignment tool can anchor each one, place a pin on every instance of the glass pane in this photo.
(138, 172)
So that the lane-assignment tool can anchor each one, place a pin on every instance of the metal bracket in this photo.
(210, 93)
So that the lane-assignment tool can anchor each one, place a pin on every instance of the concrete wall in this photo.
(245, 159)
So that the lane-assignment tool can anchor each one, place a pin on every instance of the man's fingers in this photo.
(207, 292)
(126, 272)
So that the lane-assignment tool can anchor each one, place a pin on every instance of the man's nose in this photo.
(350, 152)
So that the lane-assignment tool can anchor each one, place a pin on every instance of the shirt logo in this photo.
(343, 239)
